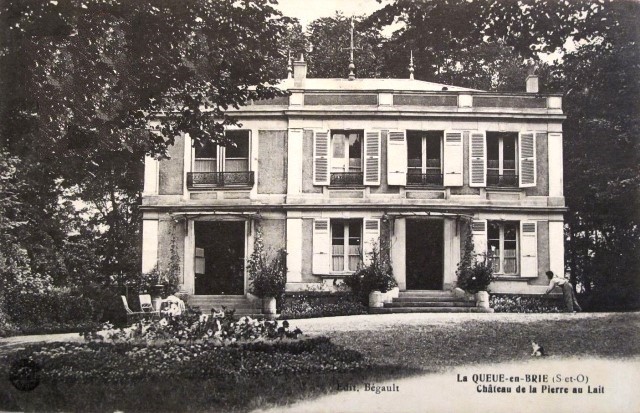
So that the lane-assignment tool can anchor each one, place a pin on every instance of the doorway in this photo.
(219, 257)
(425, 254)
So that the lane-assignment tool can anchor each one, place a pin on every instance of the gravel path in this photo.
(386, 321)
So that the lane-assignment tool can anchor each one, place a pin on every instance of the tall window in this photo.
(502, 242)
(233, 157)
(501, 159)
(424, 157)
(346, 151)
(346, 245)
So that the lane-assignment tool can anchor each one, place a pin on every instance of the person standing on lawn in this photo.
(570, 301)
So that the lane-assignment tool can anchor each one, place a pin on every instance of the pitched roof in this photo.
(373, 84)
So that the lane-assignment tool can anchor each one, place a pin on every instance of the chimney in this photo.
(532, 84)
(299, 72)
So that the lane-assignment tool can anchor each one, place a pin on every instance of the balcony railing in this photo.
(346, 178)
(502, 181)
(219, 179)
(420, 179)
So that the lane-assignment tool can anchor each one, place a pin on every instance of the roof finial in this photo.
(289, 67)
(411, 67)
(352, 65)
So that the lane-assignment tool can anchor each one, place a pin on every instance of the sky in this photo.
(308, 10)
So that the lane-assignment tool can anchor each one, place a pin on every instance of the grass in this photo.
(434, 347)
(401, 350)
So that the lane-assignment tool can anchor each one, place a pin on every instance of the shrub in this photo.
(376, 276)
(506, 303)
(473, 276)
(307, 304)
(52, 311)
(267, 277)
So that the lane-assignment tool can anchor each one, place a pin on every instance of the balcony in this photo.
(502, 181)
(427, 179)
(219, 179)
(347, 178)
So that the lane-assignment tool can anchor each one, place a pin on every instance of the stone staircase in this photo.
(240, 303)
(430, 301)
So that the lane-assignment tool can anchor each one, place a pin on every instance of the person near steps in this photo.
(570, 301)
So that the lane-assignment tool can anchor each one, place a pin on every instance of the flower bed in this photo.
(121, 362)
(192, 326)
(320, 304)
(507, 303)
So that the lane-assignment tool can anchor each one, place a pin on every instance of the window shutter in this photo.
(321, 165)
(397, 158)
(528, 249)
(370, 237)
(200, 261)
(479, 233)
(527, 145)
(372, 158)
(477, 159)
(321, 246)
(452, 158)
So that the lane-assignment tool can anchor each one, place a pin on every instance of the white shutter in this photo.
(479, 233)
(397, 158)
(370, 238)
(477, 159)
(527, 146)
(372, 157)
(321, 166)
(453, 163)
(528, 249)
(321, 246)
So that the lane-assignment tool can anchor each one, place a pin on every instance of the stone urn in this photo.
(394, 292)
(482, 299)
(376, 299)
(269, 305)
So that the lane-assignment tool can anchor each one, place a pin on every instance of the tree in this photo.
(82, 79)
(602, 160)
(329, 57)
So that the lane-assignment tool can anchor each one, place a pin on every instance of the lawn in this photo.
(239, 380)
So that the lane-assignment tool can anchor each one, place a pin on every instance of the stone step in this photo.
(388, 310)
(403, 299)
(396, 304)
(425, 294)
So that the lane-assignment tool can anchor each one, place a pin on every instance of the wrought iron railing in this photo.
(346, 178)
(420, 179)
(502, 181)
(219, 179)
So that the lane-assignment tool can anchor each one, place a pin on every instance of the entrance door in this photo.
(425, 250)
(219, 266)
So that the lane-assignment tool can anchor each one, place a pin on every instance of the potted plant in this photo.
(267, 277)
(373, 282)
(474, 276)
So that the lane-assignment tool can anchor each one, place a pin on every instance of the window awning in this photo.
(205, 215)
(427, 214)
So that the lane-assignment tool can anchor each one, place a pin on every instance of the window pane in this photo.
(433, 147)
(208, 150)
(337, 232)
(493, 230)
(338, 143)
(414, 151)
(509, 148)
(493, 149)
(355, 145)
(355, 232)
(510, 231)
(241, 141)
(205, 165)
